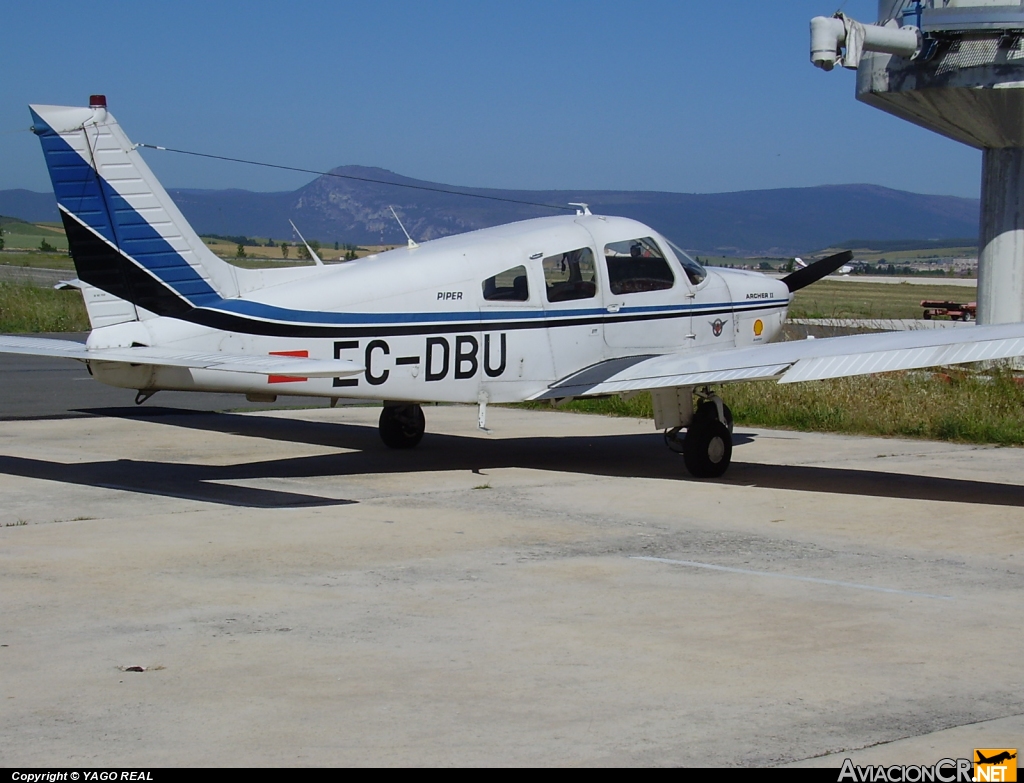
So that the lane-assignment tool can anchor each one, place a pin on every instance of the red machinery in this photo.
(954, 310)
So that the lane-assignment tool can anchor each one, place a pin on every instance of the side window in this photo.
(571, 275)
(508, 286)
(694, 271)
(637, 265)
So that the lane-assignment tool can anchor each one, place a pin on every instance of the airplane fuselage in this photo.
(496, 313)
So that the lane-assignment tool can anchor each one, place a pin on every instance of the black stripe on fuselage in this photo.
(234, 323)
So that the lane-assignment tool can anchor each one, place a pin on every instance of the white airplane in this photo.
(845, 269)
(546, 309)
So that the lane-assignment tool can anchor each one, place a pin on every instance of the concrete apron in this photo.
(556, 593)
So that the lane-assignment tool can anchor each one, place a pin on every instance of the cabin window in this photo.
(571, 275)
(694, 271)
(508, 286)
(637, 265)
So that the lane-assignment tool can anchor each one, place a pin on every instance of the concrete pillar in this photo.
(1001, 244)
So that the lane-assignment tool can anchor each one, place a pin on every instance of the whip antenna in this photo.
(411, 243)
(312, 252)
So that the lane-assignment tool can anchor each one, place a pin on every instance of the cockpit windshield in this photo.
(694, 271)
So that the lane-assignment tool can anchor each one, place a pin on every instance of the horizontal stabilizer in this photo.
(38, 346)
(801, 360)
(169, 357)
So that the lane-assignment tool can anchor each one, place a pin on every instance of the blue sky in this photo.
(677, 96)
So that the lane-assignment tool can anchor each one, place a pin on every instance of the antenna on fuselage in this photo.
(411, 243)
(581, 208)
(312, 252)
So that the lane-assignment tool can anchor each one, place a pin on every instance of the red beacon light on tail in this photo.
(97, 101)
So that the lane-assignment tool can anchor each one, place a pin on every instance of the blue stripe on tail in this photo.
(82, 192)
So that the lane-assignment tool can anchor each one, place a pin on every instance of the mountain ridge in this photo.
(343, 206)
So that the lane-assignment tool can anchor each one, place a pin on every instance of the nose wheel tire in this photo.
(707, 448)
(402, 426)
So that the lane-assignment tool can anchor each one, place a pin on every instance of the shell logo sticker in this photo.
(758, 327)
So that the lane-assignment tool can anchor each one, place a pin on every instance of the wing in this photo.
(169, 357)
(792, 362)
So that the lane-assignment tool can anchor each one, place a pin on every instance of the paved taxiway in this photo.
(555, 593)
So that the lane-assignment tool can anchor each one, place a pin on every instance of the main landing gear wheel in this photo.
(708, 410)
(402, 426)
(707, 448)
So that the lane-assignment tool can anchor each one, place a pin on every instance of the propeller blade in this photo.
(812, 273)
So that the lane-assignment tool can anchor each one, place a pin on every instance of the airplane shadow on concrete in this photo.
(635, 456)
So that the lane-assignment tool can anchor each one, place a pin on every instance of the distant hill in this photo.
(28, 205)
(758, 222)
(897, 245)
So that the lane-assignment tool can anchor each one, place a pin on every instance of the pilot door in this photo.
(647, 298)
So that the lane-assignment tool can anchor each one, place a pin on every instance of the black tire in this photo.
(402, 426)
(707, 448)
(708, 410)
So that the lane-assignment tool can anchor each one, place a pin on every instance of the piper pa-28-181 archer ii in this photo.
(544, 309)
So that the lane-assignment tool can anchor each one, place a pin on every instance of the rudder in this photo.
(127, 238)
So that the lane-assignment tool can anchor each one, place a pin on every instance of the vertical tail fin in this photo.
(126, 236)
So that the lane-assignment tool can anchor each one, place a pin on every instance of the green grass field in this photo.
(846, 299)
(28, 236)
(269, 257)
(956, 405)
(863, 254)
(22, 242)
(873, 256)
(36, 260)
(30, 309)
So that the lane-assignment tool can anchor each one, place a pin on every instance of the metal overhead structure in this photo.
(955, 67)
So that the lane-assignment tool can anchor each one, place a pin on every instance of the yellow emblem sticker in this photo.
(995, 764)
(758, 327)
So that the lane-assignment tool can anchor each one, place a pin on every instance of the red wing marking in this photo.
(287, 378)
